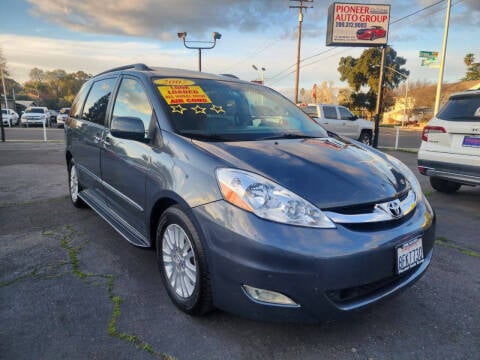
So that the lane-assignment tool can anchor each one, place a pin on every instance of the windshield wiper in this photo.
(466, 117)
(201, 136)
(288, 136)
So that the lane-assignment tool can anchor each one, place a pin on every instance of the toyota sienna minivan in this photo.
(251, 206)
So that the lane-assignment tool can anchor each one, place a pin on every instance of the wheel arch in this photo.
(162, 203)
(68, 157)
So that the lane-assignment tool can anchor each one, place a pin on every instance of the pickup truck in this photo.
(340, 120)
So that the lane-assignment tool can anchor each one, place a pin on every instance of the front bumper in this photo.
(328, 272)
(34, 121)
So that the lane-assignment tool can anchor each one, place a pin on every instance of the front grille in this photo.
(357, 293)
(364, 208)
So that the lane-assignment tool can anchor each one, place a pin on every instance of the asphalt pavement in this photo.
(72, 288)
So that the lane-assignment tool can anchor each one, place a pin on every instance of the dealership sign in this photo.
(357, 24)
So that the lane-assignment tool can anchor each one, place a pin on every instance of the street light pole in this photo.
(261, 72)
(210, 45)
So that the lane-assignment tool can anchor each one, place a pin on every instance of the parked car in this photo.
(9, 117)
(371, 33)
(35, 115)
(252, 207)
(53, 117)
(62, 116)
(340, 120)
(450, 149)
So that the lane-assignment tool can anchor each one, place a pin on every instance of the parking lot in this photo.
(71, 287)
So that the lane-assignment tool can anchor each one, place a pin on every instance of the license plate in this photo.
(471, 141)
(409, 255)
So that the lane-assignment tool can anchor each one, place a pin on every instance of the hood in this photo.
(327, 172)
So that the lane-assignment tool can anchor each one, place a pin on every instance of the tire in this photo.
(365, 137)
(176, 234)
(74, 186)
(444, 186)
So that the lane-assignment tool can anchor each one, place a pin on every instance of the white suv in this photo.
(340, 120)
(62, 116)
(450, 150)
(35, 115)
(9, 117)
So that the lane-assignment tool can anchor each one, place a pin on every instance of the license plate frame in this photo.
(408, 255)
(471, 141)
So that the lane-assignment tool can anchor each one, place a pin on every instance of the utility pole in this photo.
(300, 8)
(378, 109)
(2, 130)
(442, 61)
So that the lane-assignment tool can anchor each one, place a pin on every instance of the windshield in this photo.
(4, 111)
(65, 111)
(34, 110)
(229, 111)
(310, 110)
(461, 108)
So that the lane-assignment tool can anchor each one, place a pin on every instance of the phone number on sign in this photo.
(350, 24)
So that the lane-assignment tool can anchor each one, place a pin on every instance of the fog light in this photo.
(268, 296)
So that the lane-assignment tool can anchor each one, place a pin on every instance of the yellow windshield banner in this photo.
(174, 81)
(184, 94)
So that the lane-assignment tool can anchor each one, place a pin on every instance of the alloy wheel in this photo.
(180, 265)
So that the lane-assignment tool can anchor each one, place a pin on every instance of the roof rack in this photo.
(138, 66)
(230, 75)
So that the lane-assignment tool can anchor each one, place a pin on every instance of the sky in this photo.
(93, 36)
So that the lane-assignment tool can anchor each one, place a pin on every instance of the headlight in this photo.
(269, 200)
(409, 175)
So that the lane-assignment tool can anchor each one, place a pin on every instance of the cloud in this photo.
(26, 52)
(160, 19)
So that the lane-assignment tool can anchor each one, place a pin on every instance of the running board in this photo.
(118, 223)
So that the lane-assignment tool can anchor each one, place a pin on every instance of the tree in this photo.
(365, 71)
(3, 64)
(37, 75)
(473, 68)
(55, 88)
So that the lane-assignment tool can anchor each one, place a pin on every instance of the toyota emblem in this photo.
(394, 208)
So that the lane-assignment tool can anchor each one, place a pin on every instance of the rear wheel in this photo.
(365, 137)
(74, 186)
(182, 262)
(444, 186)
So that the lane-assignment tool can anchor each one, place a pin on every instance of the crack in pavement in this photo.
(49, 271)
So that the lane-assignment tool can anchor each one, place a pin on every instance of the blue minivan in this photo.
(250, 205)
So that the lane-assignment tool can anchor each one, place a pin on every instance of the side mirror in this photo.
(354, 117)
(126, 127)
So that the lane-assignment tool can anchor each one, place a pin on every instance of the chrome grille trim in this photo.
(379, 213)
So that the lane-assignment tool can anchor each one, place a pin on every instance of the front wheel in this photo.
(445, 186)
(365, 137)
(182, 262)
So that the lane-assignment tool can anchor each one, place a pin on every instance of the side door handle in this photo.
(107, 141)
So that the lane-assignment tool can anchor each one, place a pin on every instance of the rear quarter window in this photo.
(95, 108)
(461, 108)
(79, 100)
